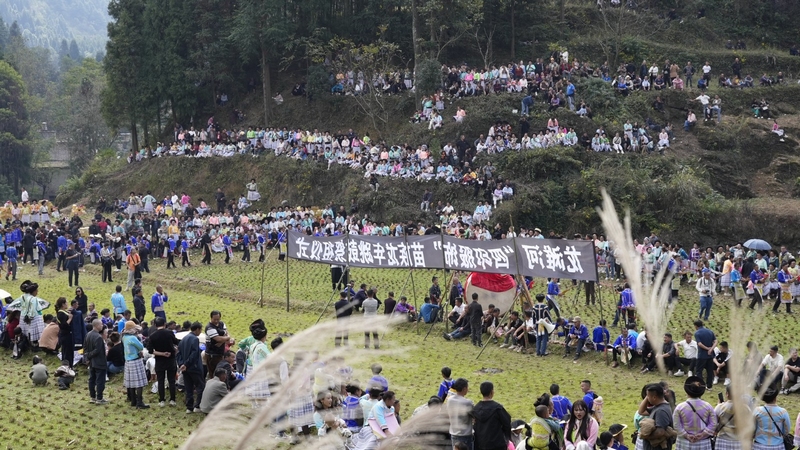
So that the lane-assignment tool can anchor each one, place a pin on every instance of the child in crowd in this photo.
(65, 375)
(105, 317)
(446, 384)
(351, 409)
(378, 379)
(38, 373)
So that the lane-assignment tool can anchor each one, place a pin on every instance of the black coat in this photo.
(492, 426)
(94, 350)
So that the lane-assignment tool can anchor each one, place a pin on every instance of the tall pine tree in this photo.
(15, 139)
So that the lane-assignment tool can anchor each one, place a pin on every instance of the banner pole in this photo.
(414, 293)
(263, 268)
(599, 291)
(330, 299)
(287, 268)
(448, 284)
(261, 300)
(521, 281)
(341, 277)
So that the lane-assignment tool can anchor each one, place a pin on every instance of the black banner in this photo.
(542, 258)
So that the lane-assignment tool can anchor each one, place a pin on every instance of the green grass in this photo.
(40, 416)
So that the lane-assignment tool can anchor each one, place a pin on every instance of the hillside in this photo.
(727, 181)
(45, 23)
(718, 183)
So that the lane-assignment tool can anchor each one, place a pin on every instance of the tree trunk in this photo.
(513, 31)
(434, 42)
(561, 10)
(134, 135)
(415, 41)
(265, 83)
(158, 120)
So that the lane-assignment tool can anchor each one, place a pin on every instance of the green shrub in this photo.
(428, 76)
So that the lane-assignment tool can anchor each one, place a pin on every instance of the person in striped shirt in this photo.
(772, 422)
(694, 419)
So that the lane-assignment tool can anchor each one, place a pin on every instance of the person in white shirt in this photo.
(707, 71)
(689, 359)
(771, 368)
(24, 195)
(435, 122)
(704, 99)
(706, 286)
(457, 312)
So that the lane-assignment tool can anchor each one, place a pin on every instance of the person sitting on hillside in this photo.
(436, 121)
(460, 114)
(763, 109)
(663, 140)
(777, 129)
(621, 86)
(659, 83)
(583, 110)
(691, 121)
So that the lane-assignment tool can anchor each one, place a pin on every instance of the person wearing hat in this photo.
(695, 419)
(135, 376)
(257, 352)
(618, 437)
(706, 286)
(519, 432)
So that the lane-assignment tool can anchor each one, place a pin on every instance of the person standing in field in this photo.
(475, 314)
(94, 351)
(370, 306)
(492, 421)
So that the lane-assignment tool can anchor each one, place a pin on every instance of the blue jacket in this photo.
(600, 336)
(11, 254)
(189, 354)
(62, 244)
(570, 89)
(78, 327)
(631, 341)
(582, 332)
(428, 312)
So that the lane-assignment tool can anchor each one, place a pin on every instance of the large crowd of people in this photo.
(166, 356)
(141, 230)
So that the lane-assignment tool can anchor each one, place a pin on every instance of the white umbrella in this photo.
(5, 295)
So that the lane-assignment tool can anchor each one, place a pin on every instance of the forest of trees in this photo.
(38, 87)
(163, 68)
(167, 62)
